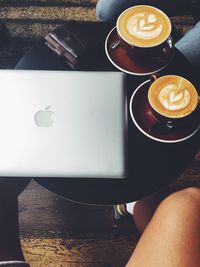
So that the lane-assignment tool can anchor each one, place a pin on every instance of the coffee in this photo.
(173, 96)
(143, 26)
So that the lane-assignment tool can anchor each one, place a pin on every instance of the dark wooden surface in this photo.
(78, 253)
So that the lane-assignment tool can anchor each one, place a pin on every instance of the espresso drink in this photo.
(143, 26)
(173, 96)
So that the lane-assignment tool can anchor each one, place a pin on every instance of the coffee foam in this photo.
(144, 26)
(173, 96)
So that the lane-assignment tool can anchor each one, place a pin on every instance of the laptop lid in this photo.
(62, 124)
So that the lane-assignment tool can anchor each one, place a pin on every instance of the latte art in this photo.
(144, 26)
(173, 96)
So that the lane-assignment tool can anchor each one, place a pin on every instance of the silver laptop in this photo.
(62, 124)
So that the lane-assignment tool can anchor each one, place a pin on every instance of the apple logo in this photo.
(43, 117)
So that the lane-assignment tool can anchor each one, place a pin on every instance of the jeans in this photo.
(109, 10)
(188, 45)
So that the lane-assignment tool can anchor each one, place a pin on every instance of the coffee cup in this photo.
(145, 34)
(166, 109)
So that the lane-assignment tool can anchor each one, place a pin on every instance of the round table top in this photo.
(151, 164)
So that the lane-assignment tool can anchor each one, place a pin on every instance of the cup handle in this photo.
(165, 51)
(115, 44)
(154, 77)
(162, 127)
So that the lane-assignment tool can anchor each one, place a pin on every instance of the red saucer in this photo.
(141, 116)
(119, 58)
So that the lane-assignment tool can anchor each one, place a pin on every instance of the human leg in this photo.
(109, 10)
(141, 210)
(172, 238)
(40, 57)
(189, 45)
(145, 208)
(10, 188)
(10, 248)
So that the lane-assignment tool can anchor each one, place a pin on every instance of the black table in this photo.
(151, 165)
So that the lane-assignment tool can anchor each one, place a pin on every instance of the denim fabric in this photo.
(189, 45)
(109, 10)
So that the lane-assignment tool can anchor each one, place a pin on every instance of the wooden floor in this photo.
(78, 253)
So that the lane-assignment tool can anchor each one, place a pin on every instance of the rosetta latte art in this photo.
(172, 98)
(144, 26)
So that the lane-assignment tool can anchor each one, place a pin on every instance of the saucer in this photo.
(143, 118)
(119, 58)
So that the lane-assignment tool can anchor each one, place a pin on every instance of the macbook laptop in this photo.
(62, 124)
